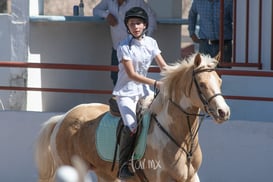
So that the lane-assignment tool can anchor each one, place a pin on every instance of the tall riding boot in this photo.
(126, 146)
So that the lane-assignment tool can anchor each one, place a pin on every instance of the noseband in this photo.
(205, 101)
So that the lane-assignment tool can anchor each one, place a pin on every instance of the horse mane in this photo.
(177, 78)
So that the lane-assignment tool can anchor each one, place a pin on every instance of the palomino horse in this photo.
(188, 87)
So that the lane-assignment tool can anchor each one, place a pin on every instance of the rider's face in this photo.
(136, 26)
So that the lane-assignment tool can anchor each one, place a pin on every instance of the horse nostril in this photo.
(221, 113)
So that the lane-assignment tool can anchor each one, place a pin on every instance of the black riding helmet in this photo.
(136, 12)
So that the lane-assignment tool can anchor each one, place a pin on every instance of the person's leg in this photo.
(114, 62)
(205, 48)
(214, 50)
(226, 55)
(127, 107)
(228, 52)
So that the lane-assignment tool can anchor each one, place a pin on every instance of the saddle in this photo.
(107, 133)
(114, 110)
(142, 105)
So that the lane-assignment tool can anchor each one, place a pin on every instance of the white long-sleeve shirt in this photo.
(119, 32)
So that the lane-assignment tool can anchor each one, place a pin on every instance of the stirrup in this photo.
(124, 172)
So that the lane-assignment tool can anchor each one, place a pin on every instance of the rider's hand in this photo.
(111, 19)
(194, 38)
(158, 84)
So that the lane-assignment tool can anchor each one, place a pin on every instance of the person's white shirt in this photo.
(119, 32)
(141, 53)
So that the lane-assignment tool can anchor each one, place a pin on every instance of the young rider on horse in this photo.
(135, 54)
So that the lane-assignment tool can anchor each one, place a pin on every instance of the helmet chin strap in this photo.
(134, 37)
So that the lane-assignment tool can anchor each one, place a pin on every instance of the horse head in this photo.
(194, 83)
(207, 86)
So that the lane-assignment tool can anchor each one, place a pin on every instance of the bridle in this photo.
(205, 101)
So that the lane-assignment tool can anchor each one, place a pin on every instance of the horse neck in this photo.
(175, 121)
(182, 124)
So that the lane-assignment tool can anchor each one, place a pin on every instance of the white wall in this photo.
(249, 86)
(236, 151)
(80, 42)
(17, 136)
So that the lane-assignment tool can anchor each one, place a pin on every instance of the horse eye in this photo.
(202, 85)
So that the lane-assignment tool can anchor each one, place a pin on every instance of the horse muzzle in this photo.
(220, 115)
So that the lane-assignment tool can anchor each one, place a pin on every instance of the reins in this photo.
(193, 135)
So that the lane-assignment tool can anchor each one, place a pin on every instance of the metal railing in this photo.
(114, 68)
(246, 63)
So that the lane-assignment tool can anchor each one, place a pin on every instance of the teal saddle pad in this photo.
(106, 137)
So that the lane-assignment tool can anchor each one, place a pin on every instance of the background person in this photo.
(114, 11)
(207, 12)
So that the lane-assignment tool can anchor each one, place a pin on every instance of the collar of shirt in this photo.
(138, 42)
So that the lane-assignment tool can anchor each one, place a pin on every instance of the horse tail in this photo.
(43, 154)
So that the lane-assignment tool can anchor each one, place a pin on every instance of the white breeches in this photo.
(127, 109)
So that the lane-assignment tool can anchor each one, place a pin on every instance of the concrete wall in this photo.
(5, 49)
(71, 43)
(236, 151)
(14, 46)
(81, 42)
(253, 87)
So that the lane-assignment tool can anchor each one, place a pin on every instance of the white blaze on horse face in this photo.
(220, 108)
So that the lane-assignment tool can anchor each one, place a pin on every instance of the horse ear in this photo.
(197, 60)
(218, 57)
